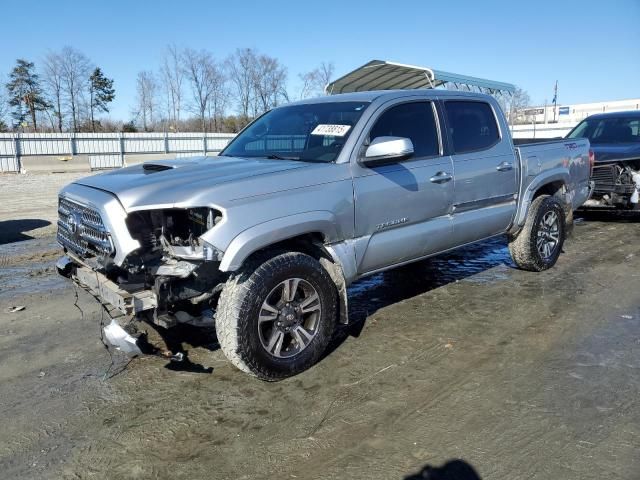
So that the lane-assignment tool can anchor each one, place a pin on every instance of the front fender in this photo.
(277, 230)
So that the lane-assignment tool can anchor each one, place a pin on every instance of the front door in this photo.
(485, 185)
(402, 210)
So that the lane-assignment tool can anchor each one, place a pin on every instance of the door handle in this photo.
(441, 177)
(505, 166)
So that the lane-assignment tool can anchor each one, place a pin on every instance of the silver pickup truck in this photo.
(263, 240)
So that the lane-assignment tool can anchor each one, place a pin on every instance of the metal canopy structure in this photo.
(383, 75)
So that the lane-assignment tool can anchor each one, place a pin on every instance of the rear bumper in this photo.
(98, 285)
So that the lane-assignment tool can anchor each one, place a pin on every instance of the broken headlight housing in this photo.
(175, 231)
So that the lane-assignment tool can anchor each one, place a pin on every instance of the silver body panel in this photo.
(370, 219)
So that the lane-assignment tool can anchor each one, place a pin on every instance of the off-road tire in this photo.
(239, 307)
(523, 246)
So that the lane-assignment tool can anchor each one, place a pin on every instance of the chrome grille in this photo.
(81, 229)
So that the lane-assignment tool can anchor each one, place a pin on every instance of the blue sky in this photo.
(591, 47)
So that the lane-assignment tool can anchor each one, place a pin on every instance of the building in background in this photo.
(537, 122)
(573, 113)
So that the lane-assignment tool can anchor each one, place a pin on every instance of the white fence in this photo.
(109, 150)
(105, 150)
(542, 130)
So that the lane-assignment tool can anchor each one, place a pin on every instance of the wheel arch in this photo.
(313, 236)
(554, 184)
(303, 229)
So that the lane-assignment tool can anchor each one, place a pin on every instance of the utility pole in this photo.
(555, 101)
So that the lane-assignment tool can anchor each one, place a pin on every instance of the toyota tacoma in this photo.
(263, 240)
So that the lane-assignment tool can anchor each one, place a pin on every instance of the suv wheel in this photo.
(539, 243)
(276, 315)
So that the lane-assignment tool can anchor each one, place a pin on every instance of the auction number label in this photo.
(332, 130)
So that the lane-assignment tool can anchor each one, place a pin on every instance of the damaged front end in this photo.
(171, 276)
(180, 268)
(616, 185)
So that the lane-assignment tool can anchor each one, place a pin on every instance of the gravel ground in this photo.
(28, 204)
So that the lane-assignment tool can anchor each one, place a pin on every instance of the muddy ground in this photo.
(520, 375)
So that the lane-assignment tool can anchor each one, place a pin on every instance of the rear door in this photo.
(402, 210)
(485, 171)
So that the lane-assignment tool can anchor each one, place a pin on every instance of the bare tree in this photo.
(315, 81)
(219, 101)
(269, 83)
(516, 104)
(172, 75)
(53, 81)
(147, 90)
(240, 68)
(207, 83)
(76, 68)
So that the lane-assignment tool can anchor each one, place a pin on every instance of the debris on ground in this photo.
(15, 309)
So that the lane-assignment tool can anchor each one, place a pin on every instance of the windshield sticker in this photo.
(333, 130)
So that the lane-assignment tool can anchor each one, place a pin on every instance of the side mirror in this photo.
(386, 150)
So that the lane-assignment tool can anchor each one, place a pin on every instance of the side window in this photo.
(472, 125)
(410, 120)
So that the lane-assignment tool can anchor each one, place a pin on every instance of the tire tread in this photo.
(522, 247)
(236, 298)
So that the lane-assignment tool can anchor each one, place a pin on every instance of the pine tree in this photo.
(25, 94)
(101, 92)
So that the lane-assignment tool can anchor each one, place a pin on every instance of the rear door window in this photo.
(472, 126)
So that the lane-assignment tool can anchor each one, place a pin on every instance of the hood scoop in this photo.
(156, 167)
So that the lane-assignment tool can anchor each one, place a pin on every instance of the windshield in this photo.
(608, 130)
(313, 132)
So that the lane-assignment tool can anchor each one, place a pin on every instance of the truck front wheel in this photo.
(276, 315)
(539, 243)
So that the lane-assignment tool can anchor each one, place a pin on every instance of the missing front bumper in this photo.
(128, 303)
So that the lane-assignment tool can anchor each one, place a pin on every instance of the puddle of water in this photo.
(29, 279)
(20, 271)
(474, 263)
(28, 246)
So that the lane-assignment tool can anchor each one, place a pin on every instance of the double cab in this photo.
(264, 239)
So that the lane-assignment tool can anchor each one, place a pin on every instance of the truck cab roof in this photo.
(371, 95)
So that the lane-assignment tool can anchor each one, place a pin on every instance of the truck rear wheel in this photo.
(276, 315)
(539, 243)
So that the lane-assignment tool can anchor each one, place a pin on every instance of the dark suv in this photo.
(615, 142)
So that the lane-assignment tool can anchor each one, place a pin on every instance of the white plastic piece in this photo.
(635, 197)
(120, 339)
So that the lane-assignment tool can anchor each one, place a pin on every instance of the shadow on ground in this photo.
(609, 215)
(170, 344)
(452, 470)
(14, 230)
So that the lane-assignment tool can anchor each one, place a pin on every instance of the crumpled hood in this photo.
(610, 152)
(180, 182)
